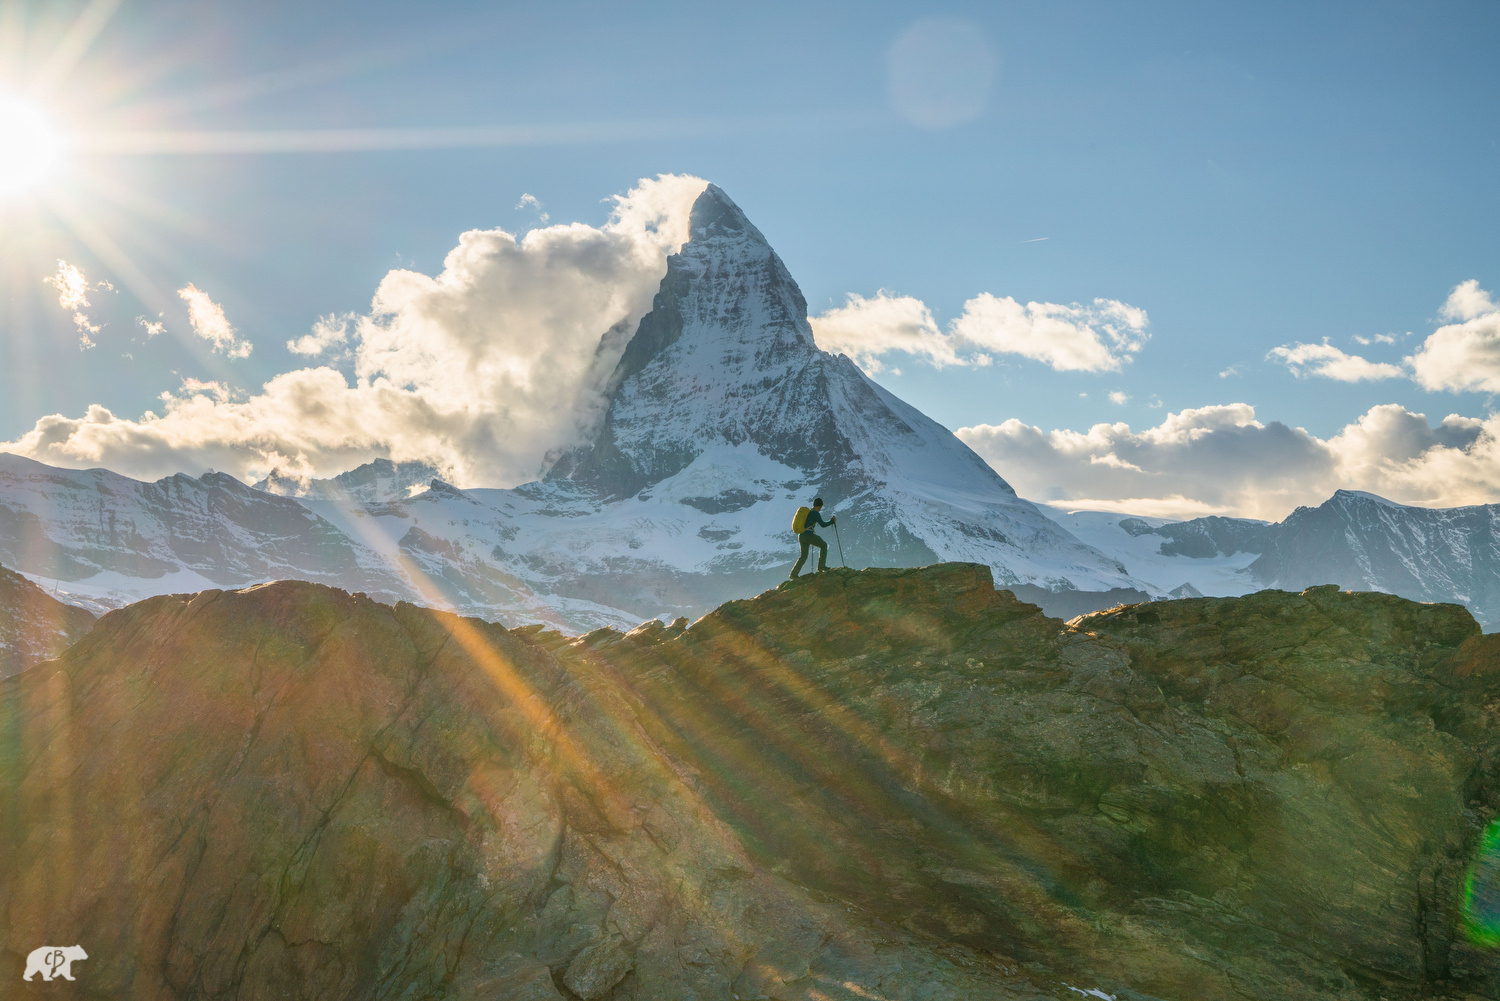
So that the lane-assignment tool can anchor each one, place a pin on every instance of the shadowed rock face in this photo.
(34, 626)
(891, 784)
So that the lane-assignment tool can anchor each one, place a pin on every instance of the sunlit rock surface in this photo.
(878, 784)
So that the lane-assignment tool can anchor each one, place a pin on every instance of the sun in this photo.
(28, 145)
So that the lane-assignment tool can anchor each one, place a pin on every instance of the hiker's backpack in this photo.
(799, 520)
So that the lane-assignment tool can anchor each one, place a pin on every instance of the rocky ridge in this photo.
(887, 783)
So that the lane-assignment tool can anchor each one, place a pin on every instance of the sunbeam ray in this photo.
(370, 140)
(71, 49)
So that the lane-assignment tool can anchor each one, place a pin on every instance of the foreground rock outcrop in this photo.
(876, 784)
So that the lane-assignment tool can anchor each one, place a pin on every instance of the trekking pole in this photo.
(840, 542)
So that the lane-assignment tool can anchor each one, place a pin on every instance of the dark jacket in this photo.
(814, 520)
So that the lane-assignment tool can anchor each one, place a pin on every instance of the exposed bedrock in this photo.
(892, 784)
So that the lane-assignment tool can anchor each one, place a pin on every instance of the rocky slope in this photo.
(881, 784)
(34, 626)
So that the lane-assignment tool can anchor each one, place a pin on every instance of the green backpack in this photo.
(799, 521)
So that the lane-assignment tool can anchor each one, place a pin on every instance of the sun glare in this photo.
(28, 145)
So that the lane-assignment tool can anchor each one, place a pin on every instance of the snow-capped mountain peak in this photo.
(726, 357)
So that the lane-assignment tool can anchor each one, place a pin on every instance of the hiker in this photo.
(808, 537)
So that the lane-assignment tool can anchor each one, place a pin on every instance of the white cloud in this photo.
(1095, 338)
(1221, 460)
(1077, 338)
(1328, 362)
(327, 332)
(531, 201)
(1464, 355)
(864, 329)
(479, 370)
(1119, 397)
(73, 294)
(208, 321)
(72, 287)
(1467, 301)
(152, 327)
(308, 422)
(1460, 356)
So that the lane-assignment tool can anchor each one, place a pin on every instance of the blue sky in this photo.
(1252, 176)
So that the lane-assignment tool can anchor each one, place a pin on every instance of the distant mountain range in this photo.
(723, 417)
(1354, 539)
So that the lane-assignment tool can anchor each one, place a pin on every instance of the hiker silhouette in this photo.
(807, 519)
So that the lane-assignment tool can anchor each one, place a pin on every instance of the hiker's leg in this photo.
(801, 559)
(822, 552)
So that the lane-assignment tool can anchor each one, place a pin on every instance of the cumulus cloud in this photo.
(208, 321)
(73, 295)
(1464, 355)
(152, 327)
(329, 331)
(1467, 301)
(479, 370)
(1093, 338)
(1328, 362)
(1119, 397)
(308, 422)
(1222, 460)
(865, 329)
(1460, 356)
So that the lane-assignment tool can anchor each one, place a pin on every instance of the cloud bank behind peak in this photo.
(479, 370)
(1222, 460)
